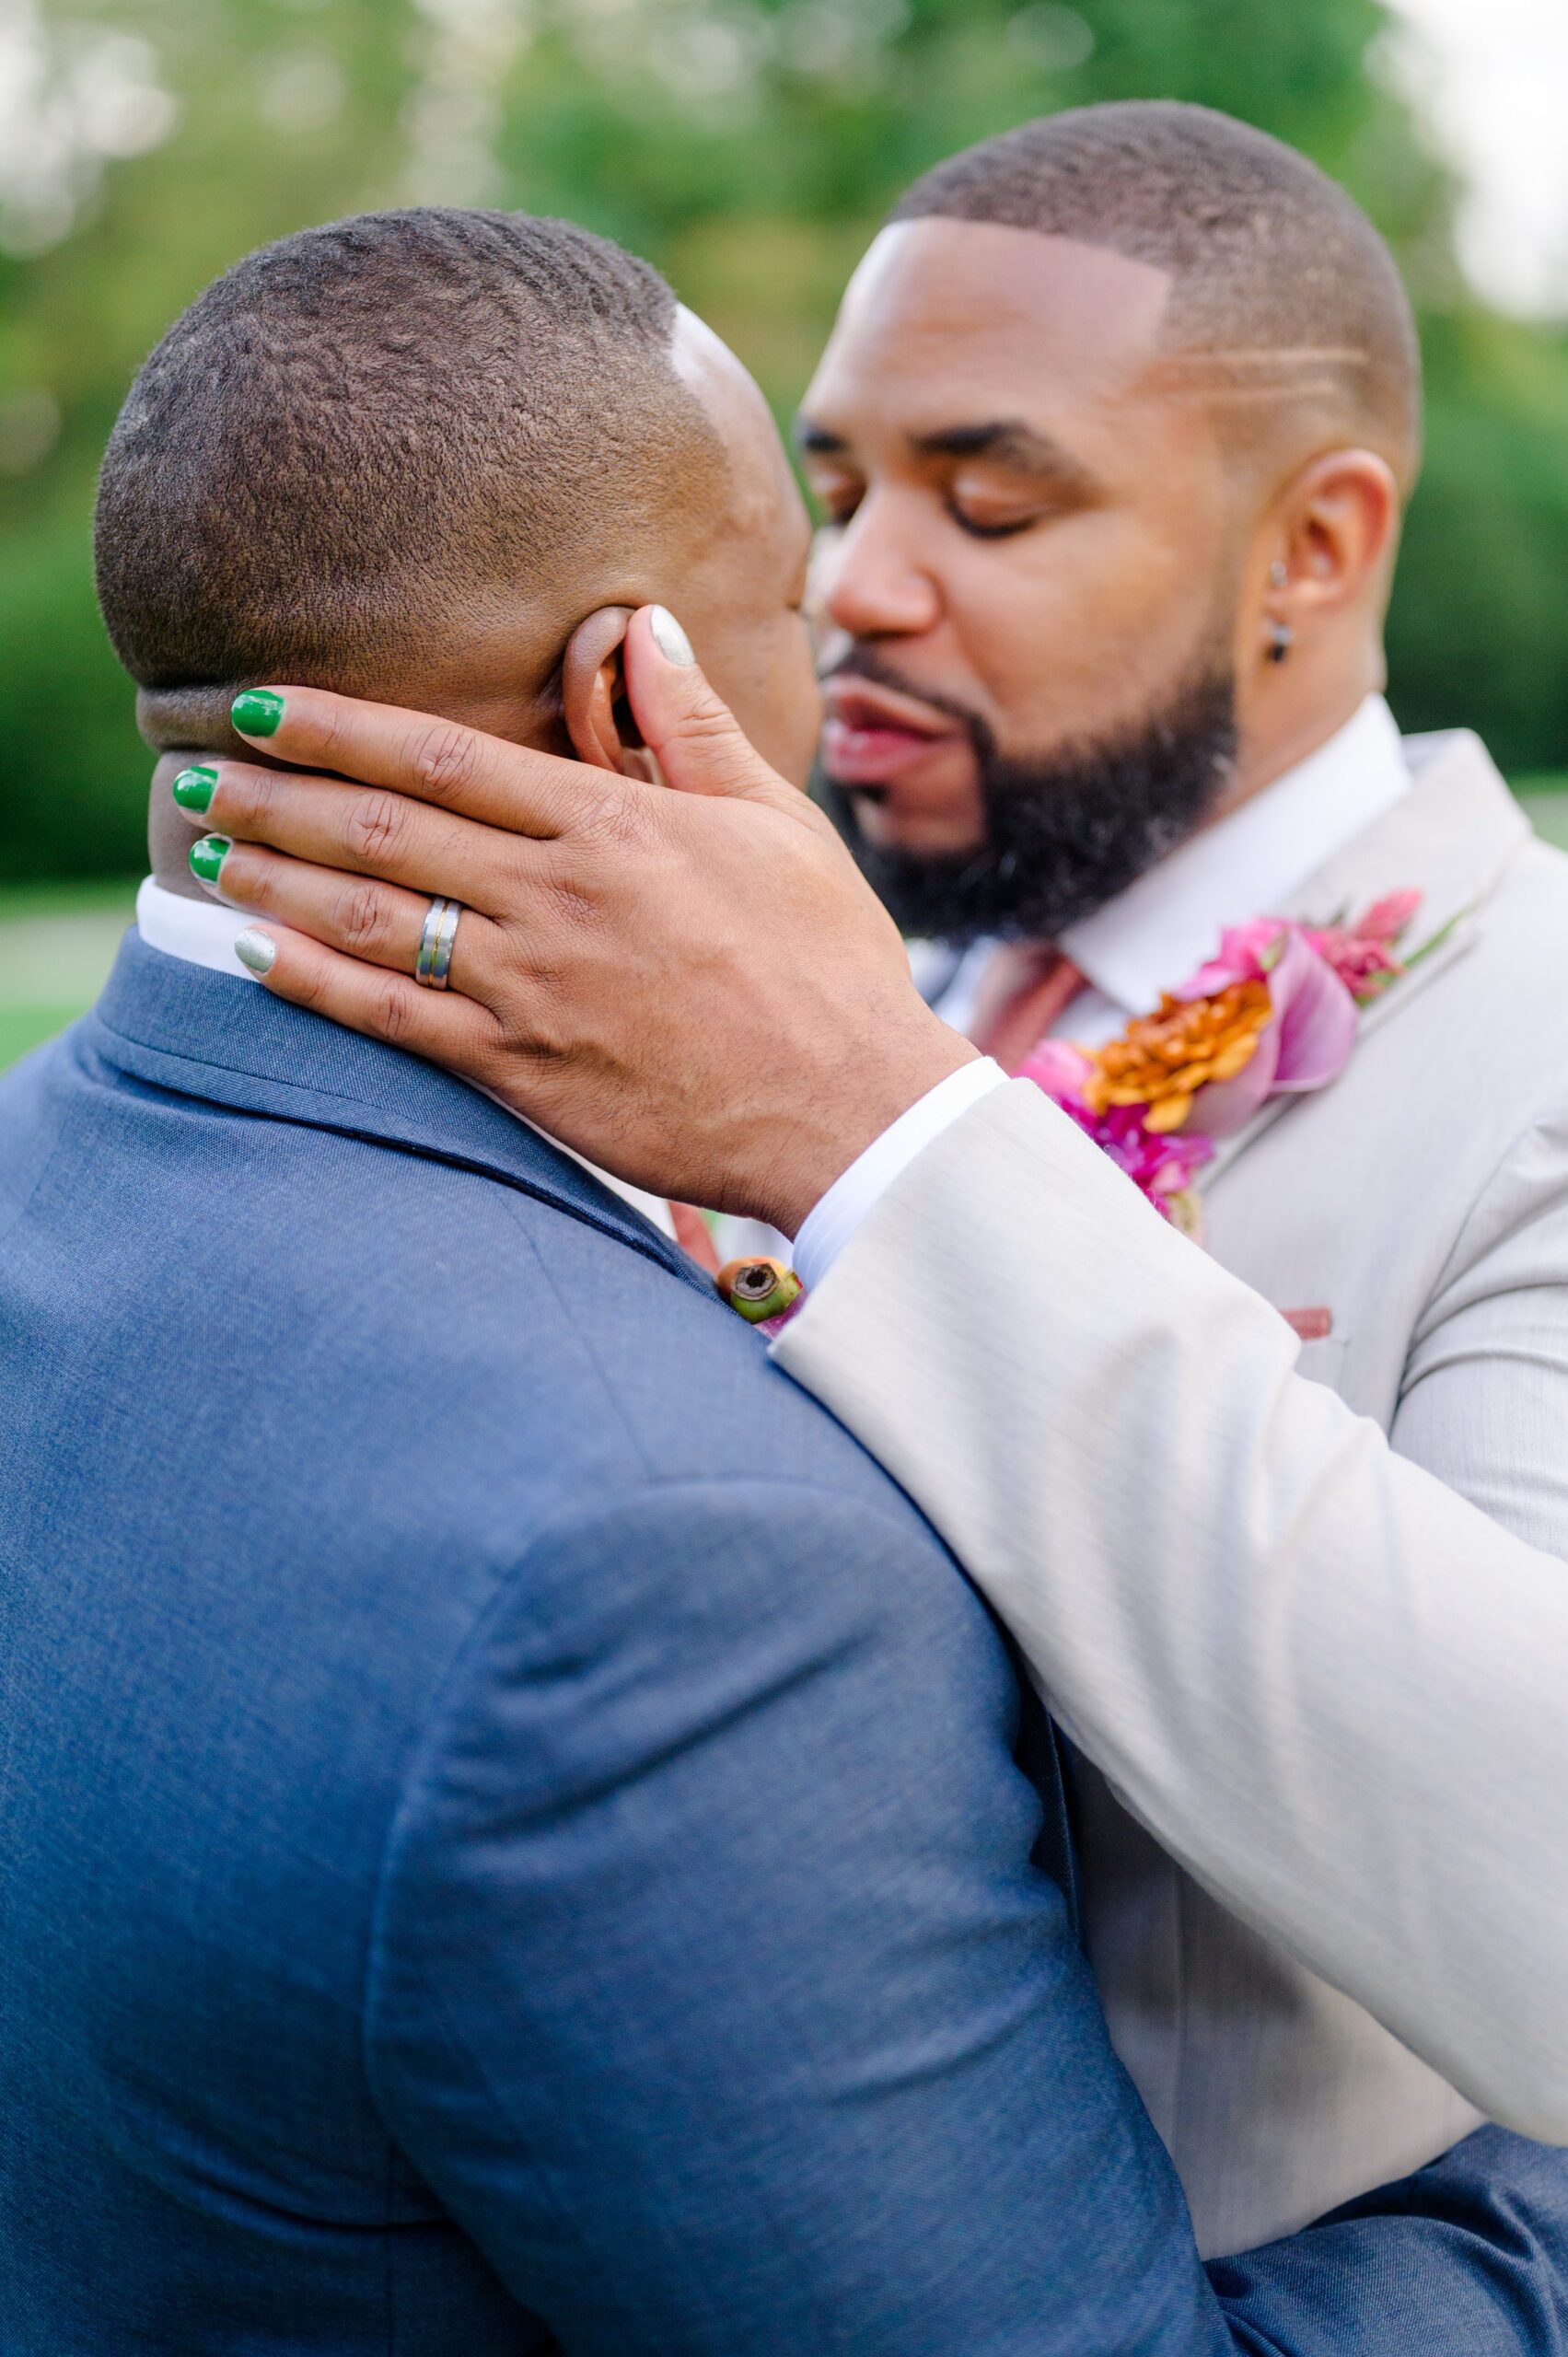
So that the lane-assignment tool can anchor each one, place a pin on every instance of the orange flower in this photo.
(1162, 1060)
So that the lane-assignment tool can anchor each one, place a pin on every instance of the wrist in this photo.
(851, 1108)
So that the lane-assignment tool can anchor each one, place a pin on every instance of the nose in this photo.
(871, 582)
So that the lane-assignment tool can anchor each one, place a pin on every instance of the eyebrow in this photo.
(1010, 443)
(1007, 440)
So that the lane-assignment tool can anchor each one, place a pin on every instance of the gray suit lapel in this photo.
(1450, 838)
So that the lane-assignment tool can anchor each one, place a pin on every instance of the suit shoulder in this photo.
(690, 1384)
(1527, 920)
(1493, 1032)
(1503, 1004)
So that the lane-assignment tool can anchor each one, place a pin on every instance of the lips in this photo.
(873, 734)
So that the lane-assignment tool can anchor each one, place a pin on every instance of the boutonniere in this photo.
(1275, 1014)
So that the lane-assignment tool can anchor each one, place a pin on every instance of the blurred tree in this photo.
(748, 146)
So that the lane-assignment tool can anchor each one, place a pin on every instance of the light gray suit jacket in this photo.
(1316, 1646)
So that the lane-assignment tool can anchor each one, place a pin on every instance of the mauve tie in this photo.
(691, 1234)
(1026, 991)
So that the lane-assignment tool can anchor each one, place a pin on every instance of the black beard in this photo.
(1063, 834)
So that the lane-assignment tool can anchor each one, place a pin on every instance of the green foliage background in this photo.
(749, 147)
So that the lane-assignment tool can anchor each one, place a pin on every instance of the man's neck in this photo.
(1293, 713)
(168, 830)
(1287, 750)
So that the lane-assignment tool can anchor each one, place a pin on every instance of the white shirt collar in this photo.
(1163, 927)
(203, 933)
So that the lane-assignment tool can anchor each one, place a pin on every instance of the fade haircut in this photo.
(367, 437)
(1282, 289)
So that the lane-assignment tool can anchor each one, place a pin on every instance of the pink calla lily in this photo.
(1307, 1043)
(1318, 1018)
(1244, 955)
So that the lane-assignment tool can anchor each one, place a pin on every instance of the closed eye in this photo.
(835, 492)
(1005, 530)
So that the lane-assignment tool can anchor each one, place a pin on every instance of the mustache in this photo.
(861, 662)
(1064, 832)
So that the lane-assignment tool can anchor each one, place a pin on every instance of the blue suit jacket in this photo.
(511, 1830)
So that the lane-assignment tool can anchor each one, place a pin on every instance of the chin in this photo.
(923, 833)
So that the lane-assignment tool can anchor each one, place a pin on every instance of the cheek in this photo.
(773, 694)
(1077, 626)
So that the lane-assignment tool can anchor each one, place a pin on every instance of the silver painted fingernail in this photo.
(668, 636)
(255, 950)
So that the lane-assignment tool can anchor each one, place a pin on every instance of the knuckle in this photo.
(571, 901)
(270, 797)
(251, 796)
(307, 986)
(488, 1048)
(377, 828)
(707, 722)
(548, 1037)
(325, 719)
(255, 879)
(390, 1012)
(610, 818)
(444, 757)
(358, 917)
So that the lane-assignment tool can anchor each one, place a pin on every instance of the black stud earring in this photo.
(1281, 635)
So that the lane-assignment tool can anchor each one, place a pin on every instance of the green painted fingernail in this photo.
(257, 712)
(208, 856)
(193, 789)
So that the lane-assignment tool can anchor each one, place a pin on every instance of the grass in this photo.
(23, 1028)
(103, 897)
(57, 941)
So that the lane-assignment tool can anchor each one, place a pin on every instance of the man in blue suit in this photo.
(513, 1833)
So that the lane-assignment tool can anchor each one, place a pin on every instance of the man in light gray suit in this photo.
(1205, 741)
(1115, 428)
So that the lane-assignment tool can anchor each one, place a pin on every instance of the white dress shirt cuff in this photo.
(856, 1193)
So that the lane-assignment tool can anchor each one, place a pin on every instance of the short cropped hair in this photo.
(369, 433)
(1276, 272)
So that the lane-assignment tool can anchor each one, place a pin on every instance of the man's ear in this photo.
(593, 699)
(1341, 521)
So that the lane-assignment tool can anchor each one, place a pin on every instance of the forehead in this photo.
(945, 318)
(759, 494)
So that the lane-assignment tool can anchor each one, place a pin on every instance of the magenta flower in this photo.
(1363, 953)
(1160, 1168)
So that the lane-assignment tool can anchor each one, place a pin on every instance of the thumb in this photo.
(696, 738)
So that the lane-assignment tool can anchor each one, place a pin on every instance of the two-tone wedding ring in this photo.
(434, 958)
